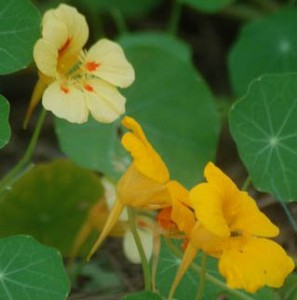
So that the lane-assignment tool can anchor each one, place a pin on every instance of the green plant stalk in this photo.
(246, 184)
(145, 265)
(202, 276)
(22, 164)
(174, 17)
(119, 21)
(209, 277)
(241, 12)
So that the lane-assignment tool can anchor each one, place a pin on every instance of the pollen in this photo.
(92, 66)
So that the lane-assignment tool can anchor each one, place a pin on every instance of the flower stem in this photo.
(174, 17)
(202, 276)
(246, 183)
(119, 21)
(145, 265)
(19, 168)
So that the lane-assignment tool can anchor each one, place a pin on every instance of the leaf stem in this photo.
(174, 17)
(202, 276)
(246, 184)
(145, 265)
(20, 166)
(119, 21)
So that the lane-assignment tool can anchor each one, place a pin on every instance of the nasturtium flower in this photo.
(144, 185)
(97, 216)
(230, 227)
(75, 82)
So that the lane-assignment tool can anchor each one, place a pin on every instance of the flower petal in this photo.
(105, 103)
(130, 248)
(66, 102)
(107, 61)
(252, 263)
(207, 203)
(138, 190)
(146, 159)
(251, 220)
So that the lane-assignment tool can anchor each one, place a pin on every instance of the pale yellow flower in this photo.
(78, 83)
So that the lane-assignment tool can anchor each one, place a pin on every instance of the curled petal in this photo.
(107, 61)
(252, 263)
(66, 102)
(130, 248)
(207, 204)
(146, 159)
(105, 103)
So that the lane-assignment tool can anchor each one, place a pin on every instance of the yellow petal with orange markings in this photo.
(104, 101)
(207, 204)
(66, 102)
(113, 217)
(146, 159)
(107, 60)
(253, 263)
(188, 257)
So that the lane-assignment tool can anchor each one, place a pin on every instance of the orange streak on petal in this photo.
(62, 50)
(64, 89)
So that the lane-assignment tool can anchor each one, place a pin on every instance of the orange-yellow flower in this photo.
(144, 184)
(231, 228)
(77, 83)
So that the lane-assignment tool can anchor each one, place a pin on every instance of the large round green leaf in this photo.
(263, 124)
(142, 296)
(50, 202)
(4, 125)
(29, 270)
(173, 105)
(210, 6)
(264, 46)
(19, 29)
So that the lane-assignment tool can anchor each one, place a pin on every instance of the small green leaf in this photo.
(209, 6)
(19, 29)
(264, 46)
(142, 296)
(29, 270)
(159, 40)
(263, 125)
(4, 125)
(173, 105)
(289, 290)
(50, 202)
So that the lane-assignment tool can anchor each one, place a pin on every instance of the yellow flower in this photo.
(231, 228)
(144, 184)
(77, 83)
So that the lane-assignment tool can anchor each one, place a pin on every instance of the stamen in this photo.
(89, 88)
(92, 66)
(64, 89)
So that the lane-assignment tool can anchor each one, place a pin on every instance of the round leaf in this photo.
(263, 125)
(173, 105)
(19, 29)
(50, 202)
(29, 270)
(4, 125)
(159, 40)
(210, 6)
(264, 46)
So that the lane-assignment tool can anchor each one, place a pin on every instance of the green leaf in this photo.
(50, 202)
(289, 290)
(29, 270)
(142, 296)
(19, 29)
(214, 288)
(4, 125)
(129, 8)
(174, 106)
(210, 6)
(263, 125)
(159, 40)
(264, 46)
